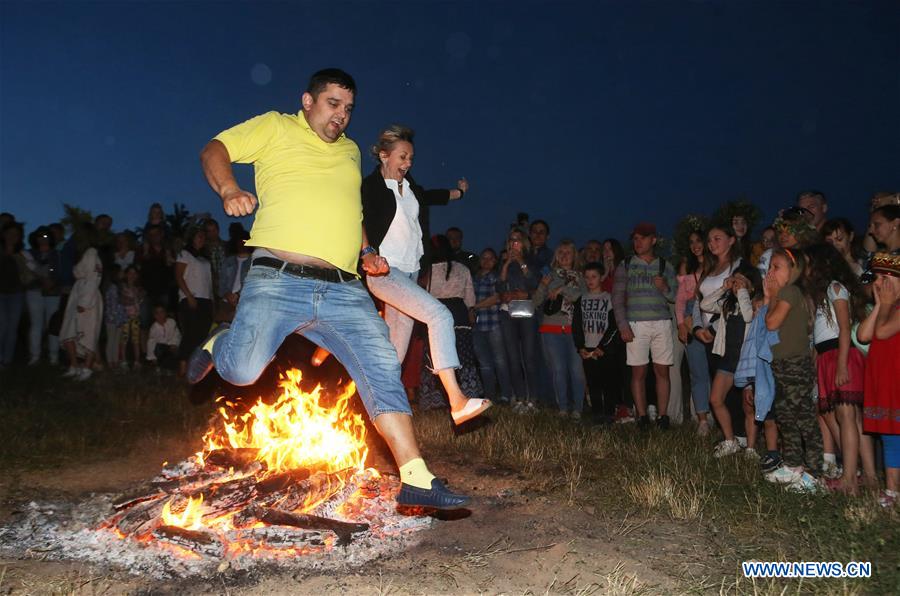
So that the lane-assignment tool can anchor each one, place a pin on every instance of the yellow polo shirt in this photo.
(308, 190)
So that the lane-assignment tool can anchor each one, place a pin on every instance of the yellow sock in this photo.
(208, 346)
(415, 473)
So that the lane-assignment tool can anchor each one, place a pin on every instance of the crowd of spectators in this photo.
(116, 300)
(786, 344)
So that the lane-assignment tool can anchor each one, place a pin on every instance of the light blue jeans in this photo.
(405, 300)
(697, 364)
(491, 354)
(567, 369)
(340, 317)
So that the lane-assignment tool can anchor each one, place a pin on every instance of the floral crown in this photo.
(885, 263)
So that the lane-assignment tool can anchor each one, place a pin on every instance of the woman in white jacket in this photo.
(83, 316)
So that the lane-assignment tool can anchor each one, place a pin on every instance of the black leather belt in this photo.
(332, 275)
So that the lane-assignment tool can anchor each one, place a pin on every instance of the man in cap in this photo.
(644, 287)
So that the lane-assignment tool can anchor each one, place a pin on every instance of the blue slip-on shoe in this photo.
(201, 362)
(437, 497)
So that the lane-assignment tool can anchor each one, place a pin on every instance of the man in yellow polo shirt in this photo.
(307, 235)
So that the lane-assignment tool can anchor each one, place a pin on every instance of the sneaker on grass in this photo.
(888, 499)
(750, 453)
(784, 475)
(770, 462)
(806, 483)
(726, 448)
(832, 470)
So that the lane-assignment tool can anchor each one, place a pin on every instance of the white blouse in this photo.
(402, 245)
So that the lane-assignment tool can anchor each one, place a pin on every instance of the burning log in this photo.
(276, 517)
(193, 540)
(280, 482)
(128, 500)
(238, 459)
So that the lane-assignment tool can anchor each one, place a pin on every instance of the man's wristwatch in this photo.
(369, 250)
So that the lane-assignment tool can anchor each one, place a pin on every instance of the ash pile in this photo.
(222, 512)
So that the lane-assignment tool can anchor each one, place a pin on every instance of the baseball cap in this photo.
(644, 229)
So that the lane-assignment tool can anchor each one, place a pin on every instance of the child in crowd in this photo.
(839, 300)
(131, 297)
(720, 320)
(598, 342)
(163, 340)
(113, 315)
(750, 282)
(792, 368)
(881, 412)
(754, 375)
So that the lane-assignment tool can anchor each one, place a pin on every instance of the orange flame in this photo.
(296, 431)
(189, 518)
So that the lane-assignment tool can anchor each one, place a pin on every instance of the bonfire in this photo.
(278, 479)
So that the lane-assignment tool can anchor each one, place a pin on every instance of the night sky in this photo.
(592, 115)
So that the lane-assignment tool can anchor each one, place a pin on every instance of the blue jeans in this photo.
(699, 368)
(405, 300)
(11, 306)
(520, 338)
(492, 362)
(340, 317)
(567, 370)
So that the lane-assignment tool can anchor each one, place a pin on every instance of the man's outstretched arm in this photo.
(217, 168)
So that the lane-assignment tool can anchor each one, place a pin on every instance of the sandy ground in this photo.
(518, 539)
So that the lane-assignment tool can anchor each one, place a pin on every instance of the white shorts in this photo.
(652, 340)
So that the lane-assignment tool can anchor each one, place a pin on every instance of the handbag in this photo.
(521, 309)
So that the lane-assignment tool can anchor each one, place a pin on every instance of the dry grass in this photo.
(636, 479)
(673, 476)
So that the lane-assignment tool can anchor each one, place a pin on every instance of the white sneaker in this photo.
(806, 483)
(72, 372)
(576, 415)
(742, 441)
(703, 429)
(84, 374)
(750, 453)
(726, 448)
(783, 475)
(888, 499)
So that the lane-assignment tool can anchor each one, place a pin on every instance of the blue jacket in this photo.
(755, 365)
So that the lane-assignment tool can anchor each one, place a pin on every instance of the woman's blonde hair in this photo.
(390, 136)
(526, 243)
(576, 258)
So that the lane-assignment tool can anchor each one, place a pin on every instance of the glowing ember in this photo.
(296, 431)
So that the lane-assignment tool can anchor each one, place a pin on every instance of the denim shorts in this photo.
(339, 317)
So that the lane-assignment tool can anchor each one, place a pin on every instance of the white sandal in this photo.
(473, 408)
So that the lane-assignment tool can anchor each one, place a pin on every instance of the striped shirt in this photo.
(636, 298)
